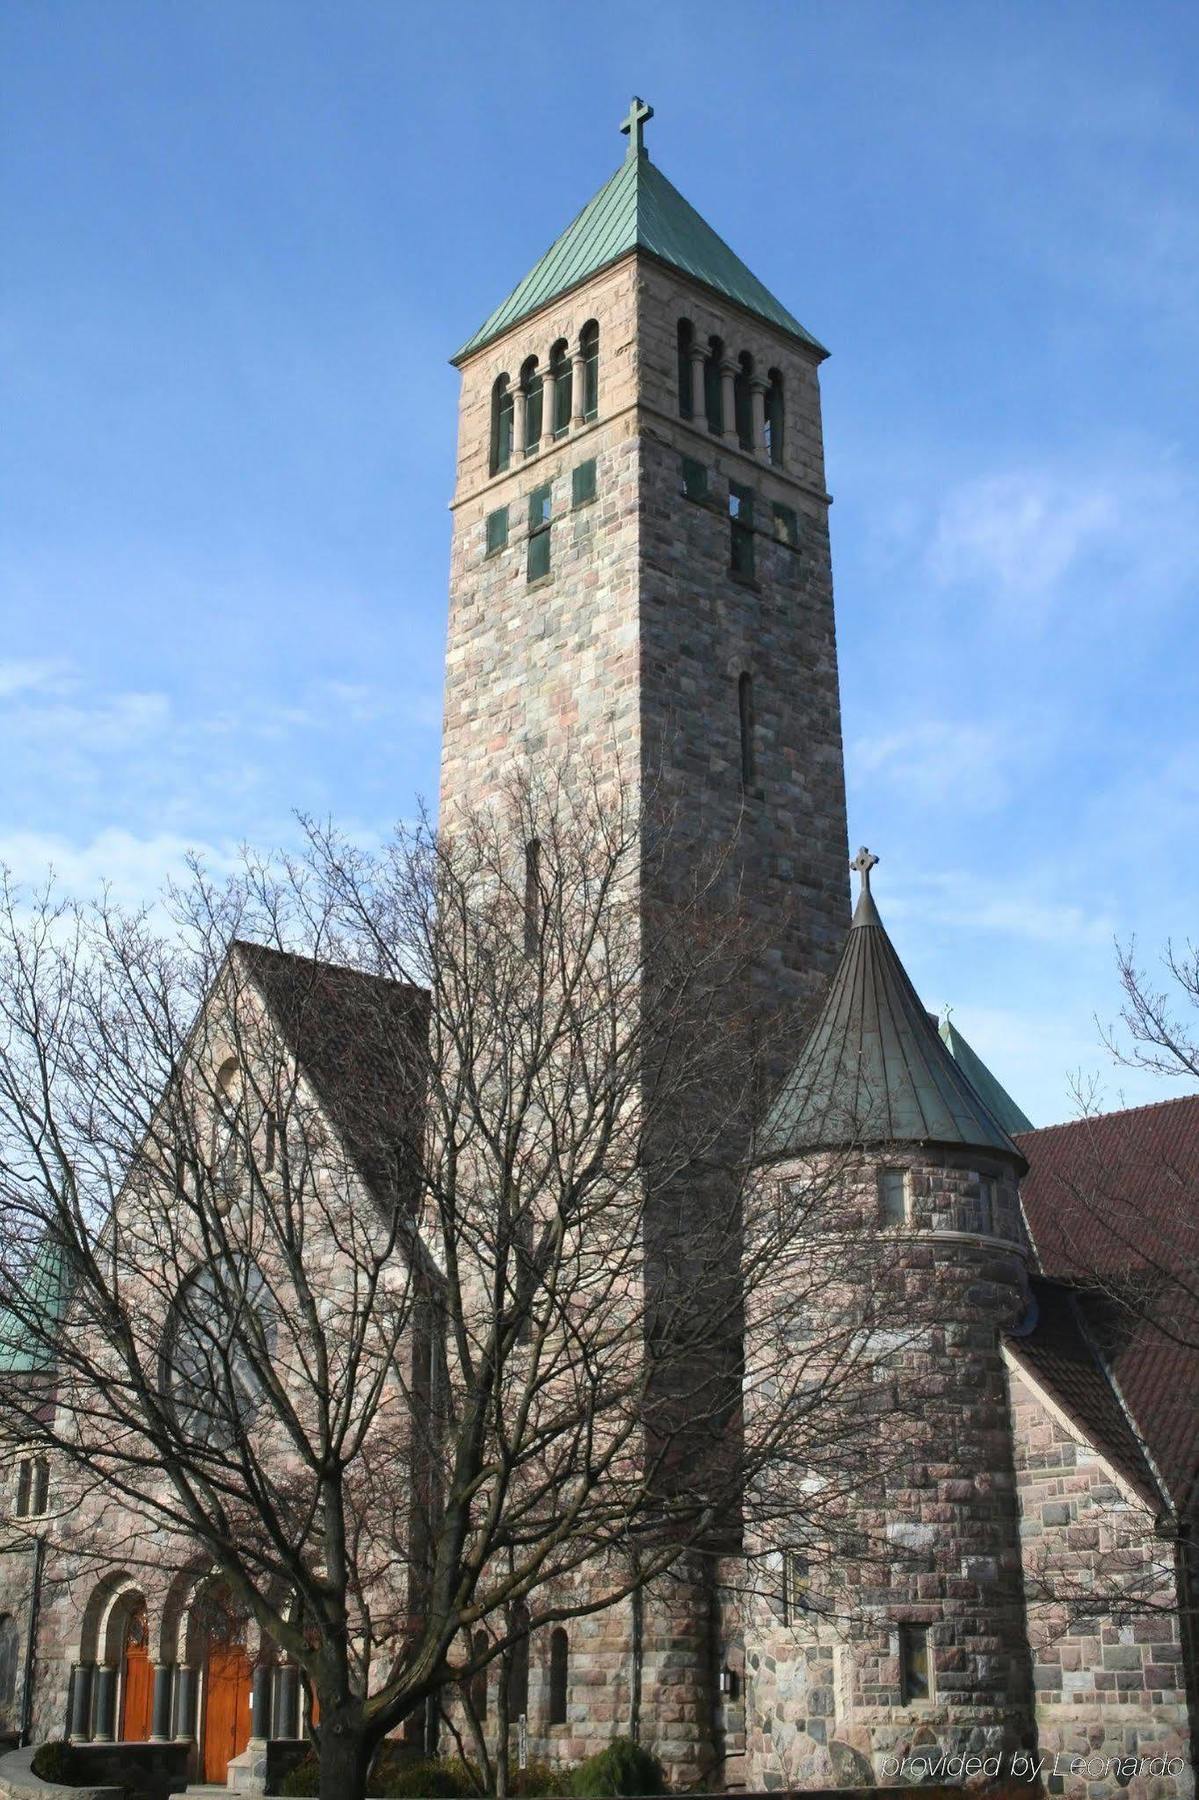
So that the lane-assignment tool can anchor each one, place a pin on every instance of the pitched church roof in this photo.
(874, 1069)
(1112, 1205)
(637, 209)
(998, 1100)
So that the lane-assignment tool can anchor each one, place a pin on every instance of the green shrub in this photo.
(623, 1768)
(54, 1762)
(542, 1779)
(304, 1779)
(400, 1776)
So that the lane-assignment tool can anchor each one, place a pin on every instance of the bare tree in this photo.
(408, 1243)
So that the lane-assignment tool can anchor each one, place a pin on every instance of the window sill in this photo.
(745, 581)
(539, 581)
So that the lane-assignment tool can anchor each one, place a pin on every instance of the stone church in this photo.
(641, 577)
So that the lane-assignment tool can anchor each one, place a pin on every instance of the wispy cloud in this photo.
(933, 760)
(998, 904)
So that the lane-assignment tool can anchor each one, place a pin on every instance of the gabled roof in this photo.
(1058, 1350)
(637, 209)
(874, 1069)
(361, 1040)
(1112, 1205)
(998, 1100)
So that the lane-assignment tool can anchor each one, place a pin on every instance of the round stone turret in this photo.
(908, 1641)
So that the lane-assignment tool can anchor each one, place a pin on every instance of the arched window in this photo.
(530, 388)
(589, 345)
(217, 1330)
(501, 424)
(745, 710)
(33, 1487)
(560, 370)
(559, 1671)
(532, 897)
(686, 339)
(478, 1681)
(743, 401)
(518, 1663)
(774, 417)
(713, 403)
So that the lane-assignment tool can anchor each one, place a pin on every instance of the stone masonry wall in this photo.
(1110, 1701)
(940, 1546)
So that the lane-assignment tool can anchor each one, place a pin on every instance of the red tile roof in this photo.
(1112, 1204)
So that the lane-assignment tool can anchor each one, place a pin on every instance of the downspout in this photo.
(35, 1603)
(1186, 1567)
(637, 1605)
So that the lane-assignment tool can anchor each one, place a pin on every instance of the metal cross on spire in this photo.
(634, 126)
(863, 862)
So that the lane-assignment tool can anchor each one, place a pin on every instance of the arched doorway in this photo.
(137, 1678)
(226, 1727)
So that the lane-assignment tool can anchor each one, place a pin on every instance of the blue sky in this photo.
(241, 239)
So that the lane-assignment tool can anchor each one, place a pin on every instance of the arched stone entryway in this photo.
(218, 1645)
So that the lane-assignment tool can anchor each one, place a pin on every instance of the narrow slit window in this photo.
(532, 897)
(589, 345)
(502, 412)
(893, 1197)
(530, 388)
(582, 483)
(270, 1131)
(786, 525)
(539, 532)
(741, 529)
(559, 1674)
(986, 1205)
(497, 530)
(695, 479)
(795, 1586)
(686, 338)
(914, 1671)
(745, 712)
(560, 369)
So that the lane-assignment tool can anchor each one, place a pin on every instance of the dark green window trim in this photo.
(589, 345)
(582, 483)
(695, 479)
(786, 524)
(540, 506)
(741, 529)
(497, 530)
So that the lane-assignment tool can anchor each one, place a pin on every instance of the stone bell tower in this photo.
(640, 583)
(640, 568)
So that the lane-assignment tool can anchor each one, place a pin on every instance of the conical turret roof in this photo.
(874, 1069)
(637, 209)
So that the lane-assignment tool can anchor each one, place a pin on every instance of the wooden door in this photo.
(137, 1685)
(226, 1709)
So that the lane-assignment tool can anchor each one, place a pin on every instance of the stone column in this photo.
(160, 1717)
(728, 400)
(82, 1677)
(548, 395)
(106, 1704)
(519, 398)
(699, 404)
(260, 1702)
(578, 365)
(757, 389)
(287, 1701)
(185, 1702)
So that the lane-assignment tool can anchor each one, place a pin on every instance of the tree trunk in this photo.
(345, 1756)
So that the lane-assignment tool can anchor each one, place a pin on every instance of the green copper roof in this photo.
(998, 1100)
(874, 1069)
(637, 209)
(45, 1293)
